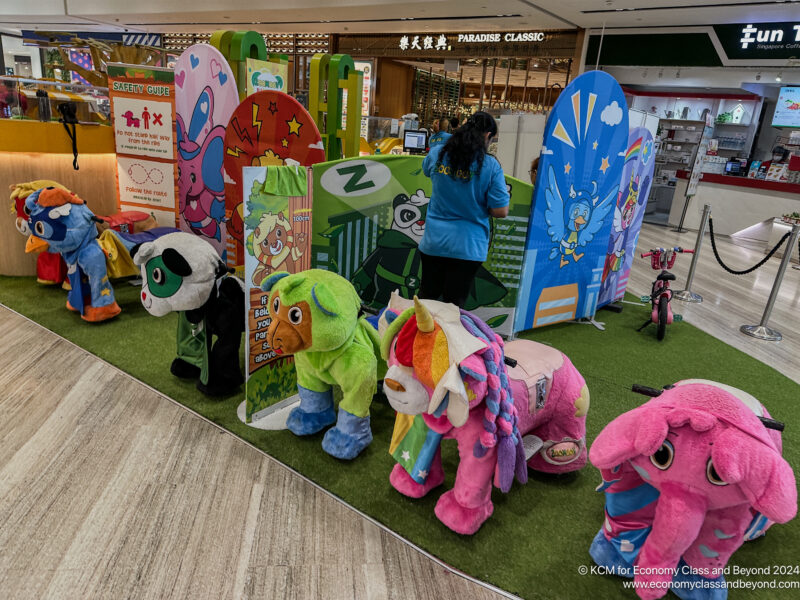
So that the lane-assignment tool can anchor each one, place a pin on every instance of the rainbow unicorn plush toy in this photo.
(447, 378)
(688, 477)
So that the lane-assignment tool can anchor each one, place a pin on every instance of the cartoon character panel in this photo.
(268, 128)
(576, 191)
(277, 227)
(634, 188)
(369, 219)
(205, 98)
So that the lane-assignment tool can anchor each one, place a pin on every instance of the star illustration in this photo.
(105, 292)
(645, 151)
(422, 474)
(285, 143)
(405, 455)
(294, 126)
(567, 168)
(273, 107)
(594, 146)
(604, 165)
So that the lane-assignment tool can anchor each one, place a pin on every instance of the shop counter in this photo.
(737, 203)
(42, 150)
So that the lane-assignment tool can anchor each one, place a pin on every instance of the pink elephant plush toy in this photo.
(447, 378)
(689, 476)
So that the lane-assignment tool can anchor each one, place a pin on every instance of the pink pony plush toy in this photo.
(689, 476)
(447, 377)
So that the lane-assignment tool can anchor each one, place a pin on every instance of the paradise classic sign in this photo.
(143, 111)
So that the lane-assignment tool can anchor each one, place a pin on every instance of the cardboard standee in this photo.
(205, 98)
(269, 128)
(634, 188)
(277, 222)
(369, 218)
(576, 190)
(325, 103)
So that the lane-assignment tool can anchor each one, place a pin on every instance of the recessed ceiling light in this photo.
(778, 77)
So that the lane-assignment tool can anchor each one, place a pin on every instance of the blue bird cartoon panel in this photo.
(577, 186)
(634, 188)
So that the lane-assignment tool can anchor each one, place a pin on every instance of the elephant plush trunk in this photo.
(678, 518)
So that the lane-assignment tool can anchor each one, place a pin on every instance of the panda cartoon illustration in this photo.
(395, 263)
(181, 272)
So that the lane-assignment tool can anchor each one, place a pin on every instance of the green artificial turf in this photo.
(540, 533)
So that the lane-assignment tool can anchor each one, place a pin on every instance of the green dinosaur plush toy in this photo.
(315, 316)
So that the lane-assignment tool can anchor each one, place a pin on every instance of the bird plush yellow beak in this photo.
(34, 244)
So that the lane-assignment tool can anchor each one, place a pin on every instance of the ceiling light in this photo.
(778, 77)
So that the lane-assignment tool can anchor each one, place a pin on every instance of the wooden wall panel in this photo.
(95, 182)
(394, 88)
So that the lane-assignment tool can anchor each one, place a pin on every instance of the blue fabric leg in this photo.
(314, 414)
(350, 436)
(606, 555)
(697, 587)
(93, 262)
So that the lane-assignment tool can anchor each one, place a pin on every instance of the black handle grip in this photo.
(772, 424)
(510, 361)
(646, 391)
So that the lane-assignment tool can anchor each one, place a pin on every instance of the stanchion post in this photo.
(680, 228)
(687, 295)
(761, 331)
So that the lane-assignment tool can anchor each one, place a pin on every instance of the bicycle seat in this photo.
(664, 276)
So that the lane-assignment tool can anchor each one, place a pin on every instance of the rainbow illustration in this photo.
(633, 151)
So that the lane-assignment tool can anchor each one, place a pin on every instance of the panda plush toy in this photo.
(183, 273)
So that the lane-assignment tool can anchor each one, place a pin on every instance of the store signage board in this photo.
(787, 109)
(443, 42)
(143, 112)
(745, 41)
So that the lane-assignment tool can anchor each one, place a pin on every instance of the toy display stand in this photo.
(274, 421)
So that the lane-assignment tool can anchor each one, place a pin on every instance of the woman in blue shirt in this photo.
(468, 189)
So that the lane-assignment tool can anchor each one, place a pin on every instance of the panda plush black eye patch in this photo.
(175, 262)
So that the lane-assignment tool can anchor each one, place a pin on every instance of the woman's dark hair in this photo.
(468, 144)
(453, 123)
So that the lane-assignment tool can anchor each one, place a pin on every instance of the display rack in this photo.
(434, 95)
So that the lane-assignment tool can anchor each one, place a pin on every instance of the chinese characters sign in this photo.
(442, 42)
(143, 109)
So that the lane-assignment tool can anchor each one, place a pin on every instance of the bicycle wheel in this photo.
(663, 305)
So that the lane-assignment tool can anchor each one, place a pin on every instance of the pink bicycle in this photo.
(662, 259)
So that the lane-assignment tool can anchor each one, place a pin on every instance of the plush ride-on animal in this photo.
(315, 316)
(183, 273)
(447, 377)
(688, 477)
(62, 220)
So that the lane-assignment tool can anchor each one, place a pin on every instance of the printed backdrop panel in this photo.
(634, 188)
(268, 128)
(577, 184)
(277, 222)
(369, 218)
(205, 98)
